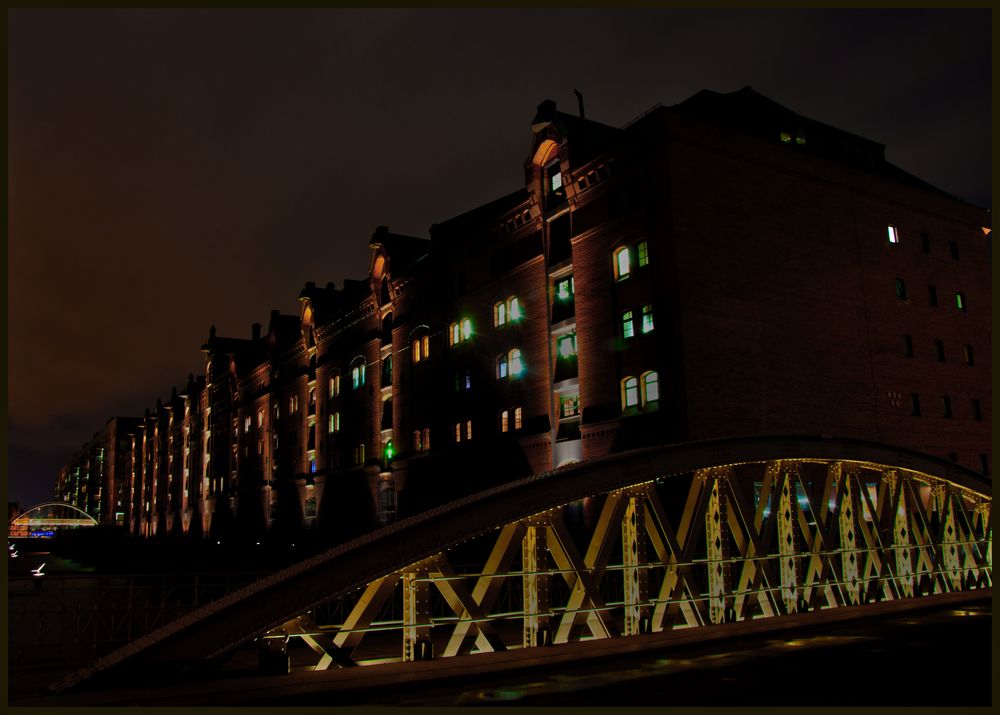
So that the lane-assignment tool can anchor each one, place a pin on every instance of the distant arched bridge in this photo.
(44, 520)
(714, 533)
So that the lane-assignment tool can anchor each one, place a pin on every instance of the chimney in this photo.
(255, 331)
(579, 101)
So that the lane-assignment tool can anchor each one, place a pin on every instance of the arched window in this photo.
(504, 421)
(335, 384)
(466, 329)
(516, 366)
(501, 367)
(623, 263)
(420, 343)
(513, 308)
(260, 417)
(454, 334)
(425, 343)
(418, 445)
(499, 314)
(427, 439)
(650, 387)
(357, 372)
(630, 392)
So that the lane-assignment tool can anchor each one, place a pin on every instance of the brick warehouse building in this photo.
(722, 267)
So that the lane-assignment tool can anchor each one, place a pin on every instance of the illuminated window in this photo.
(513, 309)
(334, 425)
(293, 404)
(650, 387)
(454, 334)
(647, 318)
(426, 344)
(260, 417)
(501, 367)
(468, 429)
(312, 465)
(335, 385)
(418, 445)
(969, 358)
(515, 363)
(389, 452)
(642, 250)
(555, 177)
(427, 439)
(893, 235)
(466, 328)
(246, 425)
(785, 137)
(504, 421)
(500, 314)
(566, 345)
(468, 379)
(416, 350)
(960, 301)
(569, 405)
(623, 263)
(628, 329)
(517, 418)
(458, 432)
(630, 392)
(358, 373)
(900, 289)
(564, 289)
(359, 454)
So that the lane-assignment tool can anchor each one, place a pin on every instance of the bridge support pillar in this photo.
(637, 613)
(850, 558)
(535, 586)
(416, 614)
(715, 536)
(788, 541)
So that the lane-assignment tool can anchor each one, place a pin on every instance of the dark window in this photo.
(932, 296)
(969, 360)
(915, 404)
(953, 246)
(907, 346)
(977, 410)
(946, 406)
(925, 242)
(900, 289)
(984, 464)
(939, 349)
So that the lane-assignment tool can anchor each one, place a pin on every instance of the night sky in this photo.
(168, 170)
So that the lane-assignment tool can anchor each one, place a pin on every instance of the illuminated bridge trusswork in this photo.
(43, 521)
(696, 535)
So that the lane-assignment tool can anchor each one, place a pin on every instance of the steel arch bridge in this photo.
(43, 520)
(700, 534)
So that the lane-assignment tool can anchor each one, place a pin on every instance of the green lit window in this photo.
(466, 328)
(501, 367)
(960, 301)
(516, 366)
(357, 376)
(623, 263)
(334, 425)
(650, 387)
(566, 345)
(630, 392)
(569, 405)
(390, 451)
(335, 385)
(643, 253)
(500, 314)
(647, 319)
(628, 327)
(564, 289)
(785, 137)
(513, 308)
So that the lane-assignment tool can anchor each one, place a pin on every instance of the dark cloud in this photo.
(170, 169)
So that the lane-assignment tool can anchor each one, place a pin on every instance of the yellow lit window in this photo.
(418, 445)
(504, 421)
(458, 431)
(453, 334)
(468, 429)
(623, 263)
(427, 439)
(630, 392)
(517, 418)
(426, 343)
(416, 350)
(500, 314)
